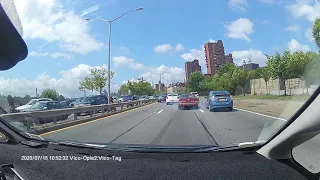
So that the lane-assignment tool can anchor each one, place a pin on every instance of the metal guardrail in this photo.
(32, 118)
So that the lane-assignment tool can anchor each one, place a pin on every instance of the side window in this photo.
(49, 105)
(101, 100)
(56, 105)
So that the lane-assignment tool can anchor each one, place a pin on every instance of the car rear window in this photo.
(187, 96)
(221, 95)
(172, 94)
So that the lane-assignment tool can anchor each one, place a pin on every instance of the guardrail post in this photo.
(121, 107)
(103, 111)
(91, 113)
(55, 120)
(75, 116)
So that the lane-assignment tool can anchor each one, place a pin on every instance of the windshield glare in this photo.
(87, 100)
(39, 105)
(211, 72)
(32, 102)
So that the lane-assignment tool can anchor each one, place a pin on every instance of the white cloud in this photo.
(179, 47)
(240, 5)
(162, 48)
(256, 56)
(49, 20)
(271, 2)
(211, 41)
(90, 10)
(292, 28)
(124, 61)
(310, 10)
(195, 54)
(38, 54)
(170, 74)
(58, 54)
(66, 84)
(53, 55)
(240, 29)
(308, 35)
(294, 45)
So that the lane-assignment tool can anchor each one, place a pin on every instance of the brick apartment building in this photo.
(191, 67)
(215, 56)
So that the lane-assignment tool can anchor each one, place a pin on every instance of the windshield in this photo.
(244, 67)
(39, 105)
(87, 100)
(32, 102)
(79, 100)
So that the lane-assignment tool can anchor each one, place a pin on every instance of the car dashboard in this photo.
(132, 165)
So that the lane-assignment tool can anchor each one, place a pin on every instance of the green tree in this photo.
(242, 77)
(124, 89)
(196, 82)
(316, 32)
(279, 66)
(96, 81)
(100, 78)
(10, 101)
(266, 75)
(61, 98)
(138, 88)
(50, 93)
(87, 83)
(255, 74)
(311, 74)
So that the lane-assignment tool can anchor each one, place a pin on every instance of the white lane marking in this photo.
(160, 111)
(260, 114)
(201, 110)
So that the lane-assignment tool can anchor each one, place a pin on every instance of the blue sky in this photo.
(158, 39)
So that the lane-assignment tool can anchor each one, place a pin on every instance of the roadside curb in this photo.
(75, 122)
(265, 113)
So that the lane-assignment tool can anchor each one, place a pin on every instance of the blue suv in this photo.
(219, 99)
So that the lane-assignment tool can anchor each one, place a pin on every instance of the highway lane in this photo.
(166, 125)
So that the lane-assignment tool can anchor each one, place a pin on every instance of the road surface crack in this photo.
(157, 139)
(206, 129)
(132, 127)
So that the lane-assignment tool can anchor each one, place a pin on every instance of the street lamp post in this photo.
(109, 43)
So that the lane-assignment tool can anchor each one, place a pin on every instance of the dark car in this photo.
(78, 101)
(47, 105)
(92, 101)
(162, 98)
(219, 99)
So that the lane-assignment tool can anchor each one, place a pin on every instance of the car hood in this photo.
(23, 107)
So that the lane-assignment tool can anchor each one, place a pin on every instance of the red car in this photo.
(188, 100)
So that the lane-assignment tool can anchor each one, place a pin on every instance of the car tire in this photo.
(211, 109)
(231, 109)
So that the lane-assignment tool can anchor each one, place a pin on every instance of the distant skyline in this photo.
(158, 39)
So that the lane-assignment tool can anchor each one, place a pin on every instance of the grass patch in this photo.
(275, 97)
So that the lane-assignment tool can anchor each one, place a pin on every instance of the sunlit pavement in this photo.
(166, 125)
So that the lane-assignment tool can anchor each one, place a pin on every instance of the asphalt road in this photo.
(166, 125)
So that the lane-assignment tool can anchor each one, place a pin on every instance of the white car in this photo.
(30, 103)
(172, 98)
(195, 93)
